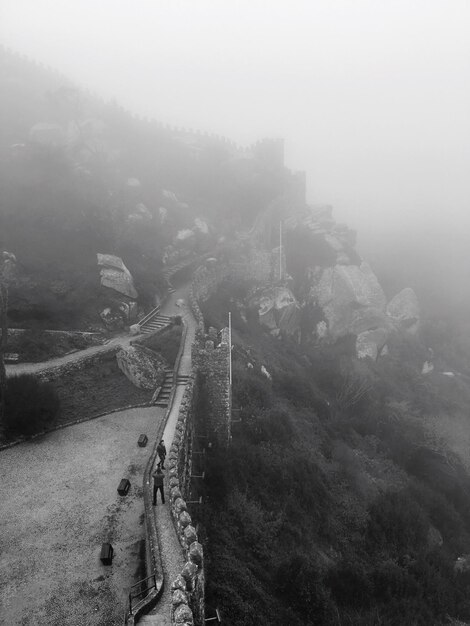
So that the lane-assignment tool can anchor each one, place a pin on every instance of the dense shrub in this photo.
(328, 499)
(397, 523)
(166, 342)
(31, 405)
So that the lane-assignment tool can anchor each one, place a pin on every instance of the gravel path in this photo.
(13, 369)
(58, 504)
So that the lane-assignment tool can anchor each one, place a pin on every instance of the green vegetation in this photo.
(334, 504)
(31, 406)
(36, 345)
(166, 342)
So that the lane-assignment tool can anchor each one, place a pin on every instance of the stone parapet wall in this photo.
(188, 587)
(213, 364)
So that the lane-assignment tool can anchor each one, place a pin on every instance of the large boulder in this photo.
(370, 343)
(403, 309)
(115, 275)
(350, 297)
(277, 309)
(141, 366)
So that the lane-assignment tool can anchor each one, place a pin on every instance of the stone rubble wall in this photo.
(188, 588)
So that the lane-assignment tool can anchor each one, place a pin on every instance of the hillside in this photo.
(80, 176)
(343, 497)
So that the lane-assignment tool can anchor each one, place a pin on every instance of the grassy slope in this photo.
(324, 508)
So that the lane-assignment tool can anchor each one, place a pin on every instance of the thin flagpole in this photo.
(280, 250)
(230, 346)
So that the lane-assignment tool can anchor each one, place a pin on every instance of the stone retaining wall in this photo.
(188, 587)
(91, 386)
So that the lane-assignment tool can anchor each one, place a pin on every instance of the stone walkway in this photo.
(61, 502)
(171, 552)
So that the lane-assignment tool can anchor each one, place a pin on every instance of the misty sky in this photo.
(372, 97)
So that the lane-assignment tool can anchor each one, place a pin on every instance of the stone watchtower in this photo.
(213, 359)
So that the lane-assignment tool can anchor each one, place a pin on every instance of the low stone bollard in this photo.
(189, 573)
(174, 482)
(184, 520)
(183, 615)
(196, 553)
(190, 535)
(180, 506)
(175, 494)
(179, 597)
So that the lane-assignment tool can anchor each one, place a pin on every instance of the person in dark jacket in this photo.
(161, 451)
(158, 485)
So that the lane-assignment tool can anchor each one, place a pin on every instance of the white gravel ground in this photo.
(58, 503)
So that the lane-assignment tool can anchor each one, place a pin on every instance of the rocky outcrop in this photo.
(370, 343)
(403, 309)
(277, 309)
(141, 366)
(351, 299)
(318, 219)
(115, 275)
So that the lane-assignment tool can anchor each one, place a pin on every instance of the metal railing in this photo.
(143, 592)
(153, 312)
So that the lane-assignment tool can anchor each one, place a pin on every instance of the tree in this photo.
(7, 266)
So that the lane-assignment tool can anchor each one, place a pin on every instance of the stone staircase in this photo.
(181, 379)
(155, 620)
(170, 271)
(164, 394)
(154, 323)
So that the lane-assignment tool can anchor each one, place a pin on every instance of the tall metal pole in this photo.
(280, 250)
(230, 346)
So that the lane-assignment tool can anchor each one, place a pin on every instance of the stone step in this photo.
(155, 620)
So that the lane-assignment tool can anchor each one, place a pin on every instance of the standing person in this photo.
(161, 451)
(158, 485)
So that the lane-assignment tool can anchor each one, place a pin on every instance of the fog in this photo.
(371, 96)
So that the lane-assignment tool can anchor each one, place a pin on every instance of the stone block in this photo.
(175, 494)
(174, 482)
(178, 583)
(190, 535)
(195, 552)
(183, 615)
(184, 519)
(189, 573)
(179, 597)
(180, 506)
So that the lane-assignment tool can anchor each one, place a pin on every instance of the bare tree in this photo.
(7, 266)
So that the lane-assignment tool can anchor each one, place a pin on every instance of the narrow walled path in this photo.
(171, 551)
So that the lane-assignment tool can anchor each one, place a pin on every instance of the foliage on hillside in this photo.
(166, 342)
(31, 406)
(63, 202)
(334, 503)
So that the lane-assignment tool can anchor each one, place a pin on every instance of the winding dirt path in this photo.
(13, 369)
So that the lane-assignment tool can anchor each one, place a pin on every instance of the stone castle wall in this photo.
(188, 587)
